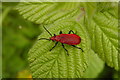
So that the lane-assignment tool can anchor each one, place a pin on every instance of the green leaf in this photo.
(101, 21)
(46, 13)
(110, 7)
(56, 63)
(95, 66)
(90, 9)
(105, 6)
(103, 31)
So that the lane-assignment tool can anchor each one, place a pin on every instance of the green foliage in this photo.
(104, 35)
(16, 41)
(90, 9)
(57, 63)
(96, 23)
(47, 12)
(94, 69)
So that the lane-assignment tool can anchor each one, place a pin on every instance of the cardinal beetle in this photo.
(70, 39)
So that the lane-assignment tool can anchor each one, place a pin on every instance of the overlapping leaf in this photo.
(94, 68)
(45, 13)
(102, 27)
(56, 63)
(104, 34)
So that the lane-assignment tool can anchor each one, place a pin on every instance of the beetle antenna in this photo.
(44, 39)
(47, 31)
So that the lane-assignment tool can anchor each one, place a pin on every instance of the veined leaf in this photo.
(104, 34)
(106, 6)
(45, 13)
(110, 7)
(90, 9)
(56, 63)
(95, 66)
(102, 27)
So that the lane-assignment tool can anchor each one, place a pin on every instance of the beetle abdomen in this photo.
(70, 39)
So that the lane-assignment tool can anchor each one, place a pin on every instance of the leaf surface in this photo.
(95, 66)
(103, 31)
(46, 13)
(56, 63)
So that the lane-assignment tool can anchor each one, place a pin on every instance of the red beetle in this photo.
(70, 39)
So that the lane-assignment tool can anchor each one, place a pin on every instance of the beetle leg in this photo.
(65, 49)
(60, 32)
(54, 34)
(78, 47)
(54, 46)
(71, 31)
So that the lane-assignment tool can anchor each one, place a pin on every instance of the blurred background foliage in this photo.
(18, 36)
